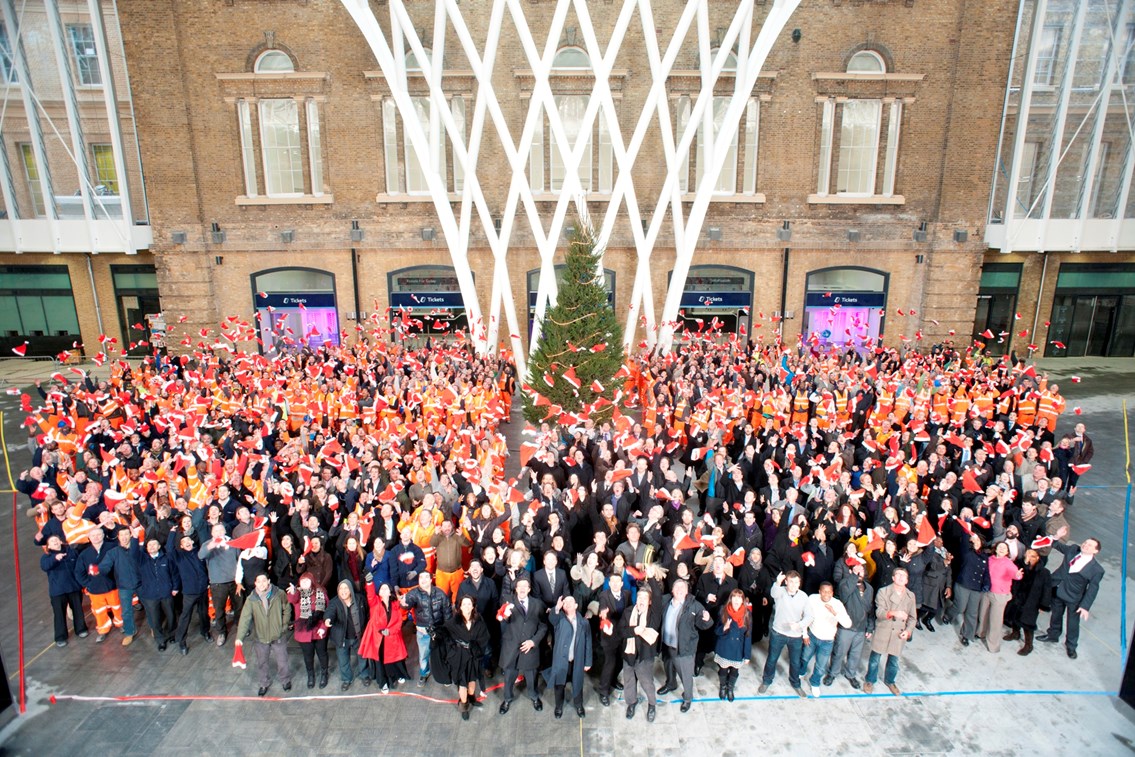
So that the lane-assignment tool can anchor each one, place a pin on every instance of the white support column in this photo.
(118, 147)
(542, 110)
(1056, 150)
(1023, 106)
(774, 23)
(74, 124)
(23, 74)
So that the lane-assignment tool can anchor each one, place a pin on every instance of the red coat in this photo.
(392, 647)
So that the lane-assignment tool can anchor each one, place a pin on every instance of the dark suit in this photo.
(563, 671)
(543, 589)
(610, 643)
(1072, 592)
(516, 629)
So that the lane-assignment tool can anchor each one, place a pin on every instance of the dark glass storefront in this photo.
(1093, 311)
(997, 305)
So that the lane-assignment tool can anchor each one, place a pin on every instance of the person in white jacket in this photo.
(823, 615)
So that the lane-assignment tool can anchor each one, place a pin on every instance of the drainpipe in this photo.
(95, 294)
(783, 292)
(1039, 295)
(355, 285)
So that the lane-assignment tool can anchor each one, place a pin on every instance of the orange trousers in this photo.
(107, 611)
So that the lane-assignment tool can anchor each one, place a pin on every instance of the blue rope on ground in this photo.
(885, 694)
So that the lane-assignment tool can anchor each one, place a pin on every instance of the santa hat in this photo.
(1041, 542)
(504, 610)
(238, 657)
(1080, 470)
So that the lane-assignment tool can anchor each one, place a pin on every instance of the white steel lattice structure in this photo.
(645, 215)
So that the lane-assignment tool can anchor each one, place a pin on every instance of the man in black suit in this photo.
(522, 630)
(1075, 585)
(551, 583)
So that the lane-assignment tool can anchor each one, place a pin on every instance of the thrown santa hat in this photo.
(1041, 542)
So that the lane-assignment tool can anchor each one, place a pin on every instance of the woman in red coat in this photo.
(382, 645)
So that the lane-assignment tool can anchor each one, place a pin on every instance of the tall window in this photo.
(727, 179)
(570, 61)
(31, 173)
(280, 147)
(858, 146)
(106, 176)
(86, 56)
(858, 125)
(417, 165)
(406, 170)
(1046, 56)
(571, 108)
(7, 63)
(273, 135)
(748, 129)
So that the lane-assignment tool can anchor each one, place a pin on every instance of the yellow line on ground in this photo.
(4, 444)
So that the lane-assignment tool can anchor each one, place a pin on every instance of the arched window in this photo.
(866, 62)
(730, 60)
(572, 58)
(412, 63)
(274, 62)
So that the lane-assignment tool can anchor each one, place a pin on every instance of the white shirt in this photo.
(1078, 562)
(819, 619)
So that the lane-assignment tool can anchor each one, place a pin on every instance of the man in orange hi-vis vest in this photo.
(1048, 411)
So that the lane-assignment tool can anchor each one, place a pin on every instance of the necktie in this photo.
(1075, 560)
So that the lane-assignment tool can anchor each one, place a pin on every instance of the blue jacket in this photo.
(157, 578)
(379, 570)
(736, 644)
(60, 573)
(406, 575)
(101, 582)
(120, 563)
(189, 567)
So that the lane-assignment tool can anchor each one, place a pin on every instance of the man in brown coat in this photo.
(896, 614)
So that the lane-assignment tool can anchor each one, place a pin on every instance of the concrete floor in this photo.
(956, 700)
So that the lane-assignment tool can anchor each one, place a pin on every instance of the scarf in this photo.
(739, 617)
(311, 602)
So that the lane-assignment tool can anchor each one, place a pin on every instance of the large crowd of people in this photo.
(732, 501)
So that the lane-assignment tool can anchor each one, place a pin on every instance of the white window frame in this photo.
(457, 109)
(390, 146)
(263, 106)
(752, 144)
(606, 157)
(827, 129)
(247, 147)
(89, 75)
(681, 120)
(314, 147)
(536, 172)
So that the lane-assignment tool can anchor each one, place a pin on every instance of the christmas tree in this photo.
(581, 342)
